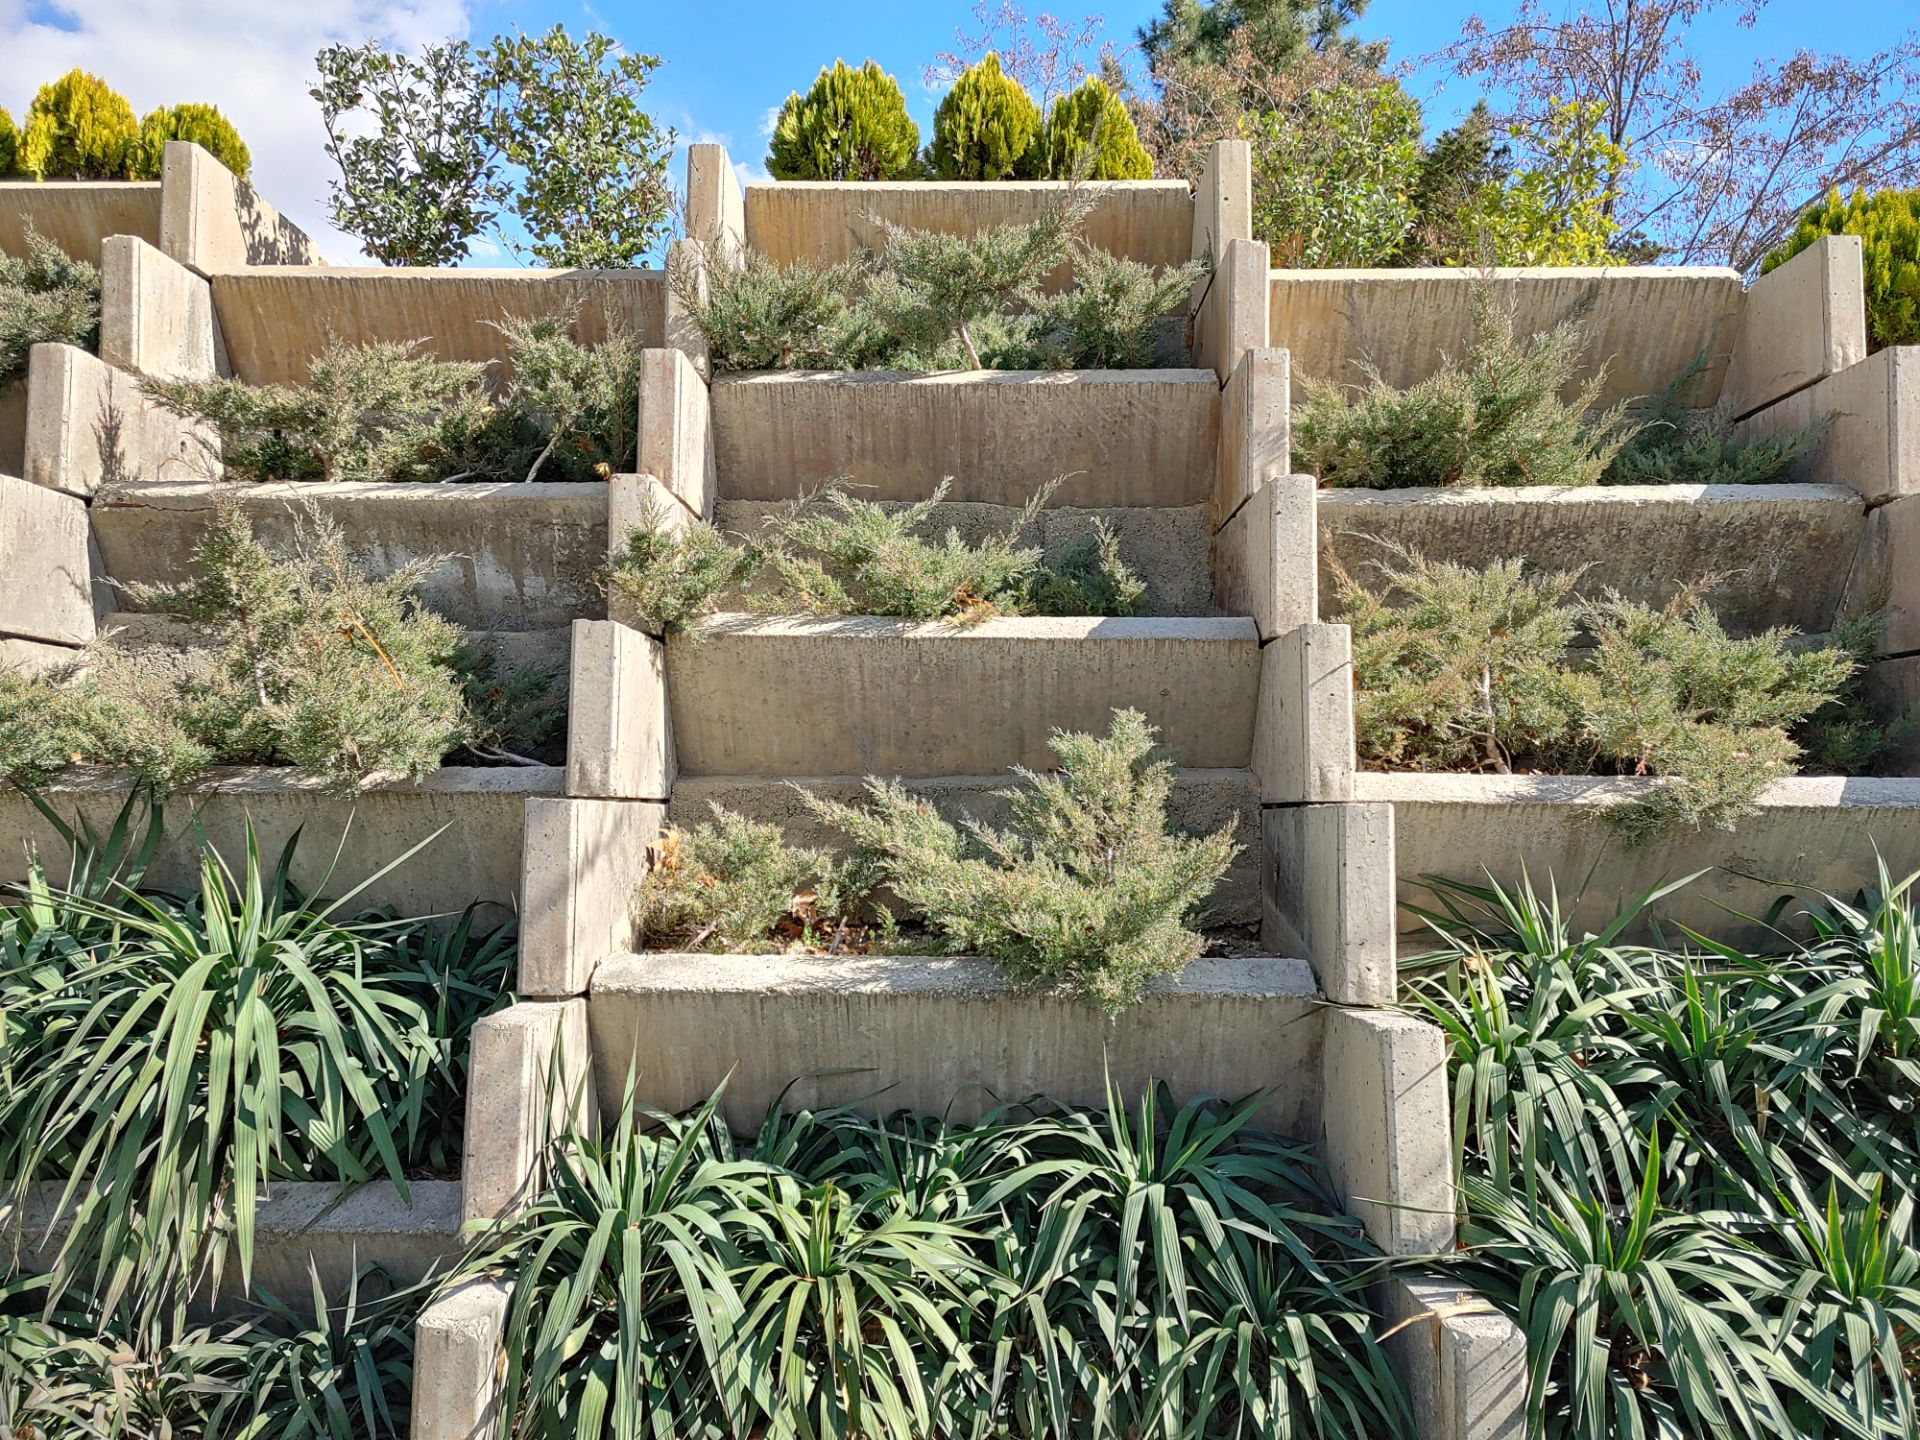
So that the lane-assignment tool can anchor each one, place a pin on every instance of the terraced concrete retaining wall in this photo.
(77, 215)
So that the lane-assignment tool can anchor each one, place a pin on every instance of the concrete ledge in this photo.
(831, 220)
(529, 1083)
(1812, 833)
(1120, 437)
(1328, 896)
(1384, 1129)
(1805, 321)
(676, 428)
(1255, 439)
(475, 857)
(1202, 802)
(275, 319)
(619, 741)
(52, 592)
(210, 219)
(77, 215)
(1303, 732)
(1263, 557)
(88, 423)
(1648, 322)
(943, 1036)
(583, 860)
(517, 556)
(458, 1364)
(1462, 1362)
(897, 697)
(1872, 440)
(156, 316)
(1782, 550)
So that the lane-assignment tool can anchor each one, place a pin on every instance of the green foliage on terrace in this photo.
(45, 298)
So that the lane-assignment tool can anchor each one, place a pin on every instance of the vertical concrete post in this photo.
(88, 423)
(581, 860)
(52, 594)
(1303, 729)
(211, 220)
(156, 316)
(1387, 1142)
(716, 206)
(1463, 1363)
(457, 1362)
(1329, 896)
(1801, 323)
(1232, 317)
(530, 1080)
(1265, 560)
(1223, 201)
(619, 736)
(687, 274)
(676, 428)
(1255, 430)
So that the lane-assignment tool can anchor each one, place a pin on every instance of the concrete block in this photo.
(1894, 684)
(1255, 444)
(944, 1036)
(897, 697)
(458, 1364)
(583, 860)
(1812, 834)
(77, 215)
(1462, 1363)
(1232, 317)
(35, 657)
(1805, 321)
(681, 331)
(210, 219)
(1329, 896)
(528, 1084)
(1223, 200)
(676, 429)
(1872, 437)
(1646, 323)
(13, 428)
(88, 424)
(506, 555)
(1263, 557)
(1387, 1141)
(1303, 732)
(275, 319)
(716, 208)
(156, 316)
(619, 741)
(831, 220)
(1877, 580)
(53, 592)
(1775, 552)
(1112, 437)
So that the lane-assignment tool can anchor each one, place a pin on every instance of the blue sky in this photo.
(727, 62)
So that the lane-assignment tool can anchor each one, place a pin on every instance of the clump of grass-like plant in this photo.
(45, 297)
(1674, 445)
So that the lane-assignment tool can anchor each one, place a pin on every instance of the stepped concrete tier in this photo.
(510, 555)
(899, 697)
(77, 215)
(1811, 834)
(1777, 554)
(1112, 437)
(87, 422)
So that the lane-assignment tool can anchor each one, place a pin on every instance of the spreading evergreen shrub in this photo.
(78, 128)
(203, 125)
(1090, 134)
(851, 125)
(1888, 224)
(986, 126)
(45, 297)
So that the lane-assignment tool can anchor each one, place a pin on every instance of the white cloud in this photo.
(253, 60)
(770, 118)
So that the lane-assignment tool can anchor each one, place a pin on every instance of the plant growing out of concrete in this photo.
(45, 298)
(1086, 889)
(1464, 669)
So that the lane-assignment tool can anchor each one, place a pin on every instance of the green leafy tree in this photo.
(1334, 178)
(1277, 31)
(593, 186)
(986, 126)
(1888, 224)
(851, 125)
(9, 143)
(1089, 135)
(1557, 209)
(204, 125)
(78, 128)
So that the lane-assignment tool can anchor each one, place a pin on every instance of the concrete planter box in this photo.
(1783, 552)
(801, 697)
(274, 320)
(77, 215)
(1812, 834)
(1120, 437)
(517, 556)
(302, 1226)
(478, 812)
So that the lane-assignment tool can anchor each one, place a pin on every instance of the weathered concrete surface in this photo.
(1223, 199)
(583, 860)
(1805, 321)
(13, 428)
(475, 857)
(458, 1364)
(77, 215)
(299, 1223)
(1231, 316)
(1255, 439)
(1812, 833)
(1462, 1362)
(1263, 557)
(831, 220)
(530, 1082)
(619, 741)
(676, 428)
(210, 219)
(716, 208)
(87, 423)
(1384, 1130)
(1782, 551)
(156, 316)
(1303, 734)
(895, 697)
(1202, 802)
(516, 556)
(46, 554)
(1329, 896)
(275, 320)
(945, 1036)
(1166, 548)
(1872, 437)
(1648, 323)
(1118, 437)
